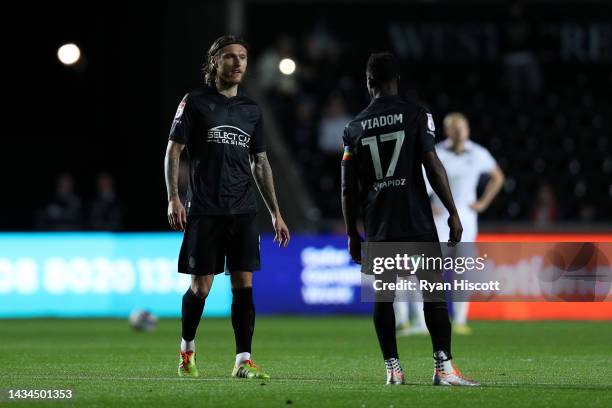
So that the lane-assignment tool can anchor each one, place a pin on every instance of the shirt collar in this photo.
(211, 89)
(382, 99)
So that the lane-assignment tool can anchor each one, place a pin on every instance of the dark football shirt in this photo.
(220, 134)
(386, 142)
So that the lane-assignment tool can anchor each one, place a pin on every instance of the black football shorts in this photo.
(210, 240)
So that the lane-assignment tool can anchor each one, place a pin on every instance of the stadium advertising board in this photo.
(103, 274)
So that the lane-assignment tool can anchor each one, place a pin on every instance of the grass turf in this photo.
(314, 362)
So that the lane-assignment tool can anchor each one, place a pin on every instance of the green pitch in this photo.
(314, 362)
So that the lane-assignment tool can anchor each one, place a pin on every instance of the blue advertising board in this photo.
(96, 274)
(313, 275)
(109, 274)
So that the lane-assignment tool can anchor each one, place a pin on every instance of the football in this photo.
(142, 320)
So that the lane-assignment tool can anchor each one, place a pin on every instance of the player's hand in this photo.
(354, 247)
(177, 216)
(478, 206)
(454, 223)
(281, 231)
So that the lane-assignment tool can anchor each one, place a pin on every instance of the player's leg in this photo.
(460, 309)
(243, 322)
(202, 257)
(192, 309)
(242, 259)
(439, 326)
(384, 324)
(243, 313)
(191, 313)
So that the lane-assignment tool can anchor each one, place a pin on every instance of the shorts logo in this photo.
(179, 111)
(192, 262)
(231, 135)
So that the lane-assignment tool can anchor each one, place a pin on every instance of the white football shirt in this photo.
(463, 171)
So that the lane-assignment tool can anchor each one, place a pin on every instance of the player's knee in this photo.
(200, 292)
(242, 280)
(241, 285)
(200, 288)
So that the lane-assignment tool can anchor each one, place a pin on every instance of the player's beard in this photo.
(230, 79)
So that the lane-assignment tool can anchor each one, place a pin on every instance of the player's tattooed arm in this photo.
(177, 217)
(439, 183)
(171, 168)
(350, 208)
(262, 173)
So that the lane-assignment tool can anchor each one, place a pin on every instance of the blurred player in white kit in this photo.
(464, 161)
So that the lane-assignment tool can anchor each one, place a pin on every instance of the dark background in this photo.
(113, 111)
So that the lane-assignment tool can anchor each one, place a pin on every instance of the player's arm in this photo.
(496, 181)
(350, 207)
(434, 209)
(262, 172)
(436, 174)
(439, 183)
(177, 217)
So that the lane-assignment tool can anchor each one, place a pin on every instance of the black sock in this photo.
(438, 324)
(384, 322)
(243, 318)
(193, 307)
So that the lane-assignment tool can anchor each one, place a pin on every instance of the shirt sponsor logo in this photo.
(380, 121)
(230, 135)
